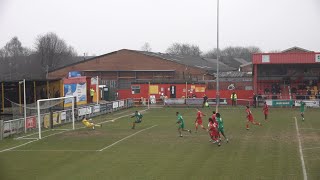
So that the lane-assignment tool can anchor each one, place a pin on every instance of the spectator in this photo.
(233, 98)
(205, 99)
(91, 94)
(254, 100)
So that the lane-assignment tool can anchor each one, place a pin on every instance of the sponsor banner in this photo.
(212, 101)
(121, 103)
(309, 103)
(56, 119)
(89, 109)
(282, 103)
(174, 101)
(269, 102)
(82, 111)
(13, 127)
(153, 99)
(317, 58)
(109, 107)
(31, 122)
(96, 108)
(78, 90)
(63, 115)
(94, 80)
(194, 101)
(115, 105)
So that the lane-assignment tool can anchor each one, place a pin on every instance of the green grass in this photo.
(267, 152)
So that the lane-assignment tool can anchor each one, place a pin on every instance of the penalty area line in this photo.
(10, 149)
(126, 138)
(304, 171)
(17, 146)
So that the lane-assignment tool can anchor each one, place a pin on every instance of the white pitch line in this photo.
(28, 138)
(311, 148)
(125, 138)
(54, 150)
(22, 137)
(304, 171)
(17, 146)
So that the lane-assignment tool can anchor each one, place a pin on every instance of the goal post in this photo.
(49, 104)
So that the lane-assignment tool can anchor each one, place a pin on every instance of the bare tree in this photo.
(275, 51)
(146, 47)
(52, 50)
(184, 49)
(14, 49)
(235, 52)
(2, 54)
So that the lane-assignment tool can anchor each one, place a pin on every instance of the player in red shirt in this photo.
(250, 118)
(198, 120)
(213, 131)
(265, 111)
(213, 116)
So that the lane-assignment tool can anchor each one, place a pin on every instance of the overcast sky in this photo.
(101, 26)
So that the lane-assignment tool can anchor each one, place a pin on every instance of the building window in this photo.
(135, 89)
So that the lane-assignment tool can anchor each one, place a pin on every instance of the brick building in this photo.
(119, 69)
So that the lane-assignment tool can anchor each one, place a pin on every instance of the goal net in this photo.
(52, 114)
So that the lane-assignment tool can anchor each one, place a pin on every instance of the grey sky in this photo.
(101, 26)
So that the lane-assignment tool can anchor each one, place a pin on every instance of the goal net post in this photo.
(51, 113)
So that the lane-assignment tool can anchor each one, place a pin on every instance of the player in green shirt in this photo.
(180, 121)
(302, 106)
(138, 119)
(220, 127)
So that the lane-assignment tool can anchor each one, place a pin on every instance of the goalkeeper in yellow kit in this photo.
(89, 124)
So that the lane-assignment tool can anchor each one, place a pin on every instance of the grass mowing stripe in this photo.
(311, 148)
(125, 138)
(301, 153)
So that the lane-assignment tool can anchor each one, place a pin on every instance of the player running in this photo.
(220, 128)
(265, 111)
(198, 121)
(88, 124)
(213, 130)
(250, 118)
(180, 121)
(138, 116)
(302, 108)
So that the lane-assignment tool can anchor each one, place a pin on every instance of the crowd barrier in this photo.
(17, 126)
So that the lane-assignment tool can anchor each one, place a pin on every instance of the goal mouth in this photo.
(53, 113)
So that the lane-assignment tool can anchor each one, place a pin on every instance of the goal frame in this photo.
(52, 99)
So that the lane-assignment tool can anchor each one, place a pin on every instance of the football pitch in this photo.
(282, 148)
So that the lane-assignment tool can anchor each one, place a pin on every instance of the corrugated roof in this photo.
(198, 62)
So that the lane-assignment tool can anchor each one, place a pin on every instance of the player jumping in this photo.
(198, 120)
(88, 124)
(250, 118)
(265, 111)
(138, 119)
(180, 121)
(302, 108)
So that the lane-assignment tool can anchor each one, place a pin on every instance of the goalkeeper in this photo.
(89, 124)
(138, 119)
